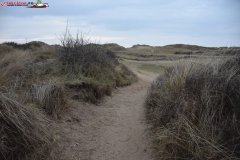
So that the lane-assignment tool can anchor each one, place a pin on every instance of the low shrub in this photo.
(80, 53)
(99, 67)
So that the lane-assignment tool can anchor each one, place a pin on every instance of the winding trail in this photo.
(113, 130)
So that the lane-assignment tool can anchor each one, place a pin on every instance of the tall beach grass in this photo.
(194, 110)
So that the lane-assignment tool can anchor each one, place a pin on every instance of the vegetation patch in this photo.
(194, 110)
(152, 68)
(24, 134)
(38, 78)
(186, 53)
(51, 98)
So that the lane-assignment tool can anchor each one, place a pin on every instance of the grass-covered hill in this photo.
(38, 80)
(170, 52)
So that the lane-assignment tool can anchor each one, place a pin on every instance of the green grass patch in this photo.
(151, 68)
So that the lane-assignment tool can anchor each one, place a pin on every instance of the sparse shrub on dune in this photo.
(23, 134)
(99, 67)
(194, 109)
(80, 53)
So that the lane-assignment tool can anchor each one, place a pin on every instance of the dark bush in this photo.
(79, 52)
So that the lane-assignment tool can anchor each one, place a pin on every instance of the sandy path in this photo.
(114, 129)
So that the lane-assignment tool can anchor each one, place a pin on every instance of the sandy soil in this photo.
(114, 129)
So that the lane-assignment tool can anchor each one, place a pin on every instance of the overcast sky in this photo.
(126, 22)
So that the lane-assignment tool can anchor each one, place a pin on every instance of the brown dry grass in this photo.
(23, 131)
(194, 110)
(32, 75)
(51, 97)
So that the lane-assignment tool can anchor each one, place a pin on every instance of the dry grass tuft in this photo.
(51, 97)
(195, 110)
(16, 67)
(22, 131)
